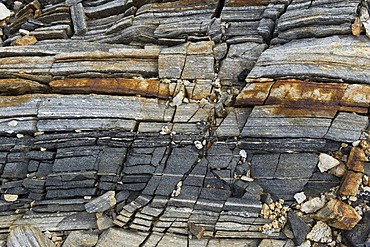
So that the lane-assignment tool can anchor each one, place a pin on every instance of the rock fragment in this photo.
(28, 236)
(300, 197)
(81, 238)
(101, 203)
(10, 197)
(327, 162)
(196, 230)
(338, 214)
(313, 205)
(350, 184)
(299, 227)
(4, 12)
(25, 40)
(320, 232)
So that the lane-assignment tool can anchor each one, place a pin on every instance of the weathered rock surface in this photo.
(28, 236)
(338, 214)
(168, 118)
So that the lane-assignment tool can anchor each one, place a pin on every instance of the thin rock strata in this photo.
(184, 123)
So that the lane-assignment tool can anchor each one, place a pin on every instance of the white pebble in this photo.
(13, 123)
(327, 162)
(19, 136)
(300, 197)
(198, 145)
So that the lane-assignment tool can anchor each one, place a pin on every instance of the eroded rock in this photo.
(338, 214)
(320, 232)
(101, 203)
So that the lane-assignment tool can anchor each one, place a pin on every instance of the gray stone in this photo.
(119, 237)
(78, 18)
(28, 236)
(347, 127)
(299, 227)
(359, 234)
(81, 239)
(101, 203)
(280, 61)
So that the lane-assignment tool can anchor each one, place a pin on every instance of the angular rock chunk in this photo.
(350, 184)
(81, 238)
(28, 236)
(299, 227)
(101, 203)
(326, 162)
(78, 19)
(320, 232)
(338, 214)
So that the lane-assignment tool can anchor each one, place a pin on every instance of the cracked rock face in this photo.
(184, 123)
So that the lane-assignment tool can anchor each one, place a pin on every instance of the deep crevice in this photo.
(220, 6)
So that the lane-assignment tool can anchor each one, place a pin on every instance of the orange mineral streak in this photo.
(353, 178)
(254, 94)
(7, 101)
(303, 93)
(240, 3)
(116, 86)
(338, 214)
(297, 98)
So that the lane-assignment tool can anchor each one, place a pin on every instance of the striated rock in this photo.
(112, 236)
(123, 86)
(274, 61)
(338, 214)
(347, 127)
(21, 86)
(196, 230)
(320, 232)
(313, 205)
(27, 236)
(326, 162)
(81, 238)
(103, 221)
(101, 203)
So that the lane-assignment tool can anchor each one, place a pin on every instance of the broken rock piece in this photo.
(23, 236)
(321, 233)
(4, 12)
(313, 205)
(299, 227)
(338, 214)
(196, 230)
(81, 238)
(350, 184)
(300, 197)
(25, 40)
(327, 162)
(101, 203)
